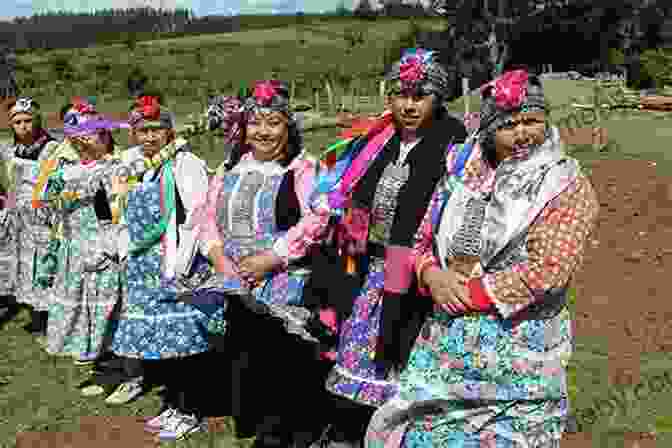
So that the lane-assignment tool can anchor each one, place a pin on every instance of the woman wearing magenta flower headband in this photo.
(258, 231)
(502, 240)
(378, 199)
(24, 231)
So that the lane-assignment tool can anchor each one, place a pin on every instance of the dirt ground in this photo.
(621, 295)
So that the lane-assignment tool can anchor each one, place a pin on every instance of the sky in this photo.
(13, 8)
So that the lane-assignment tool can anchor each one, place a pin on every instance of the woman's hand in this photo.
(221, 263)
(255, 267)
(448, 288)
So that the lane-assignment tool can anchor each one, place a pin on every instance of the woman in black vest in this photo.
(258, 230)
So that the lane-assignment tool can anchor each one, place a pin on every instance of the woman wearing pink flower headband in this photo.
(499, 246)
(377, 203)
(24, 231)
(258, 230)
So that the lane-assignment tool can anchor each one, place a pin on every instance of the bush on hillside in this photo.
(407, 39)
(657, 63)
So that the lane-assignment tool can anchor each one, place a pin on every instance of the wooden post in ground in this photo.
(597, 100)
(381, 93)
(465, 93)
(330, 96)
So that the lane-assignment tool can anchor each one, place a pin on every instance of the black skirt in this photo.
(277, 379)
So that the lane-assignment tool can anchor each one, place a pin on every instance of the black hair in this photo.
(294, 146)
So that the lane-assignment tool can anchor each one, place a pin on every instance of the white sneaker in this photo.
(161, 420)
(125, 392)
(180, 426)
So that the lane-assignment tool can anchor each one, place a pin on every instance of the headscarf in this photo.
(514, 91)
(27, 105)
(81, 110)
(148, 112)
(418, 70)
(267, 96)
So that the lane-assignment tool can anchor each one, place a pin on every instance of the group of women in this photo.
(407, 289)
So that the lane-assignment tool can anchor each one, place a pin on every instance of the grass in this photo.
(39, 393)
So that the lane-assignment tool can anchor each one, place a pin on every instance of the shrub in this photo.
(62, 68)
(616, 57)
(407, 39)
(657, 63)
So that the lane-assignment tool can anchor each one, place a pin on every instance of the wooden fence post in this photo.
(465, 93)
(330, 95)
(381, 93)
(292, 92)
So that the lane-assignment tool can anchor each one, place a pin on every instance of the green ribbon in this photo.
(242, 91)
(155, 231)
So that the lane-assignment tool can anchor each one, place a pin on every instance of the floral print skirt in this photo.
(153, 324)
(472, 382)
(25, 271)
(81, 305)
(356, 376)
(470, 424)
(8, 253)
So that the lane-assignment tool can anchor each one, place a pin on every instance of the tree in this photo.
(342, 10)
(365, 10)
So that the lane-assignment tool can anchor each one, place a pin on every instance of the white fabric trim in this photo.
(140, 316)
(281, 248)
(341, 371)
(405, 149)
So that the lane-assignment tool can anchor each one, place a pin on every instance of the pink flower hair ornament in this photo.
(509, 90)
(264, 92)
(411, 71)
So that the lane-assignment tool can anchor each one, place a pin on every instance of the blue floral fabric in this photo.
(153, 324)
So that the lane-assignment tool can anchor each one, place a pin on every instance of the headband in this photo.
(24, 105)
(81, 110)
(513, 91)
(418, 70)
(147, 112)
(268, 96)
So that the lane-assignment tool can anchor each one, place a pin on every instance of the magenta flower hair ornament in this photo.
(509, 90)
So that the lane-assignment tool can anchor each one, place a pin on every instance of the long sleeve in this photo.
(423, 252)
(192, 183)
(315, 216)
(205, 218)
(555, 246)
(48, 150)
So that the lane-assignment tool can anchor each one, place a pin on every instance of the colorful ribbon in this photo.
(155, 231)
